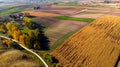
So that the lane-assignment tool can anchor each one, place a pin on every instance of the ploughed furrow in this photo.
(96, 45)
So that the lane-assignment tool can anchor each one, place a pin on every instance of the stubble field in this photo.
(95, 45)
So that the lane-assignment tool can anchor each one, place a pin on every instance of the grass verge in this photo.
(75, 19)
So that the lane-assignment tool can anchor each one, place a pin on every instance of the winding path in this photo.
(26, 49)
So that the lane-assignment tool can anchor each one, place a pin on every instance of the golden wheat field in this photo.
(96, 45)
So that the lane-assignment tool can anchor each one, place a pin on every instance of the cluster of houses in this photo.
(16, 17)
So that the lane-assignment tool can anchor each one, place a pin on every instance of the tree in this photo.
(2, 28)
(14, 45)
(37, 32)
(34, 39)
(27, 42)
(5, 41)
(11, 27)
(27, 20)
(37, 45)
(32, 36)
(14, 27)
(48, 58)
(22, 39)
(27, 14)
(16, 34)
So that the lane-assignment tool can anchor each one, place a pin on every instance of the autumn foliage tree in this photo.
(30, 24)
(2, 28)
(22, 39)
(33, 39)
(16, 34)
(27, 20)
(11, 27)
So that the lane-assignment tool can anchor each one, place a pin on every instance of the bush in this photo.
(48, 58)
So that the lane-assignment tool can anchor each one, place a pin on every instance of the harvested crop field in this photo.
(16, 58)
(63, 10)
(61, 28)
(40, 14)
(58, 28)
(88, 15)
(96, 45)
(66, 7)
(96, 12)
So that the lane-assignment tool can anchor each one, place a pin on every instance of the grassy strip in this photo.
(10, 11)
(60, 41)
(75, 19)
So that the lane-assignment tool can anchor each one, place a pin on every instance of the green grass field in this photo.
(75, 19)
(10, 11)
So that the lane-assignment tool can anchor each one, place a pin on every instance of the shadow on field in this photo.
(117, 63)
(44, 41)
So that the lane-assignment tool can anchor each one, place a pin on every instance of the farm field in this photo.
(11, 8)
(63, 10)
(59, 29)
(10, 5)
(69, 32)
(10, 11)
(82, 11)
(40, 14)
(53, 24)
(97, 12)
(56, 28)
(16, 58)
(97, 44)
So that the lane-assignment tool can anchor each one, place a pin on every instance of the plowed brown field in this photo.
(40, 14)
(96, 45)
